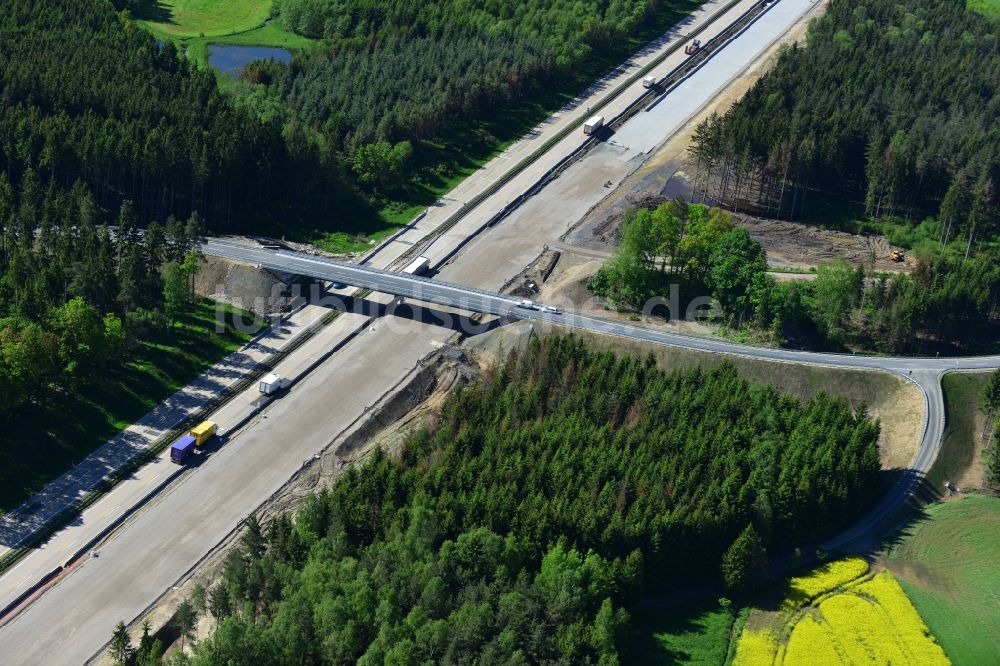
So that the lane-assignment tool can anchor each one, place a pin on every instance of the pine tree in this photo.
(121, 644)
(744, 564)
(185, 619)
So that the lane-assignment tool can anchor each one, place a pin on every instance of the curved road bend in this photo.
(925, 373)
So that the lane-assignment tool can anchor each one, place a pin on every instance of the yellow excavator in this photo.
(897, 255)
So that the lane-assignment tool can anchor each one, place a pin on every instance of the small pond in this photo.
(228, 59)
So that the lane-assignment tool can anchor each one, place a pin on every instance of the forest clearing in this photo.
(195, 24)
(203, 18)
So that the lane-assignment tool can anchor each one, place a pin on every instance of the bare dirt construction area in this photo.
(251, 287)
(665, 175)
(803, 246)
(560, 278)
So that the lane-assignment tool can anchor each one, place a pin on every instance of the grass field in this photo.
(204, 18)
(839, 615)
(48, 439)
(989, 8)
(194, 24)
(960, 449)
(686, 635)
(947, 563)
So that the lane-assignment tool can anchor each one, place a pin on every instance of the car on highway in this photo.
(553, 309)
(528, 305)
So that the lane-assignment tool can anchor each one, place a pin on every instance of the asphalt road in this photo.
(490, 302)
(924, 372)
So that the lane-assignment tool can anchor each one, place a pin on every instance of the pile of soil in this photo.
(528, 282)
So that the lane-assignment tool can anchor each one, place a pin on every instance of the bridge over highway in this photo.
(924, 372)
(473, 299)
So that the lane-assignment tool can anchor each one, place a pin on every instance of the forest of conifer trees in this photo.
(890, 104)
(524, 522)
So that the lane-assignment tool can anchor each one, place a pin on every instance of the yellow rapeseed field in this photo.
(869, 622)
(830, 576)
(756, 648)
(810, 644)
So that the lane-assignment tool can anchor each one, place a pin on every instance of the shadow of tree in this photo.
(154, 11)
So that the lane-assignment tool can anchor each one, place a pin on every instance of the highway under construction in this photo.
(483, 234)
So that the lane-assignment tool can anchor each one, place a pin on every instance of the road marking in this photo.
(69, 544)
(109, 511)
(148, 481)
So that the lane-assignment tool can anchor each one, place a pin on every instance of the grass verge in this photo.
(47, 439)
(960, 448)
(946, 563)
(990, 8)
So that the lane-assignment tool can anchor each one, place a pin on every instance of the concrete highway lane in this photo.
(180, 526)
(643, 132)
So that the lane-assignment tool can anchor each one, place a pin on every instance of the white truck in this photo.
(593, 124)
(271, 383)
(417, 266)
(649, 82)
